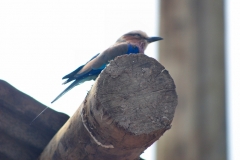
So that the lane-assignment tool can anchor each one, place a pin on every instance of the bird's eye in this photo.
(137, 35)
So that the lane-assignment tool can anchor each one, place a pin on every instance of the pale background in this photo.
(41, 41)
(232, 22)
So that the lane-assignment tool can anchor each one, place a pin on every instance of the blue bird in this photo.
(130, 43)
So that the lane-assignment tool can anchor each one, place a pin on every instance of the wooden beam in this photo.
(130, 106)
(19, 139)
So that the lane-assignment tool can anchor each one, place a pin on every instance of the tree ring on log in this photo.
(134, 95)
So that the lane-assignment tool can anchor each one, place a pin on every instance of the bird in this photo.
(133, 42)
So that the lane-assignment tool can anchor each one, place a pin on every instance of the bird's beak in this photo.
(153, 39)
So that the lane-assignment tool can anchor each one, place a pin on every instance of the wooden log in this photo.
(18, 139)
(130, 106)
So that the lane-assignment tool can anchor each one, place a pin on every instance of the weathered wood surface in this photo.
(130, 106)
(18, 139)
(193, 52)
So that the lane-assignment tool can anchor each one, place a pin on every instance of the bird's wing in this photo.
(94, 67)
(92, 75)
(66, 90)
(102, 59)
(72, 76)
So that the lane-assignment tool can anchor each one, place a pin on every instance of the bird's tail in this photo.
(38, 115)
(75, 83)
(60, 95)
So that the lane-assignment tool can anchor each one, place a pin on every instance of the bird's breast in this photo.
(132, 49)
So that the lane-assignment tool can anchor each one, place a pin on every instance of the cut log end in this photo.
(130, 106)
(138, 93)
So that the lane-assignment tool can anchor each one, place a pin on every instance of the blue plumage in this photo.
(132, 49)
(92, 74)
(130, 43)
(133, 42)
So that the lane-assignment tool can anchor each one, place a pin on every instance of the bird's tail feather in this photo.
(70, 77)
(73, 72)
(60, 95)
(38, 115)
(75, 83)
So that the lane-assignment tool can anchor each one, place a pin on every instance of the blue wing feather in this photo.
(72, 76)
(91, 75)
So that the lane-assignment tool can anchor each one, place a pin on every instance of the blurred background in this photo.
(41, 41)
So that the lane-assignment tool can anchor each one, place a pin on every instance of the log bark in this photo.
(130, 106)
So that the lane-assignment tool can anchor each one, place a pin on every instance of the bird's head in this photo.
(138, 38)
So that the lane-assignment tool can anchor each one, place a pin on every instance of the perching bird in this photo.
(130, 43)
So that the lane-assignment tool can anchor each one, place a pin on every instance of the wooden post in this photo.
(130, 106)
(193, 52)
